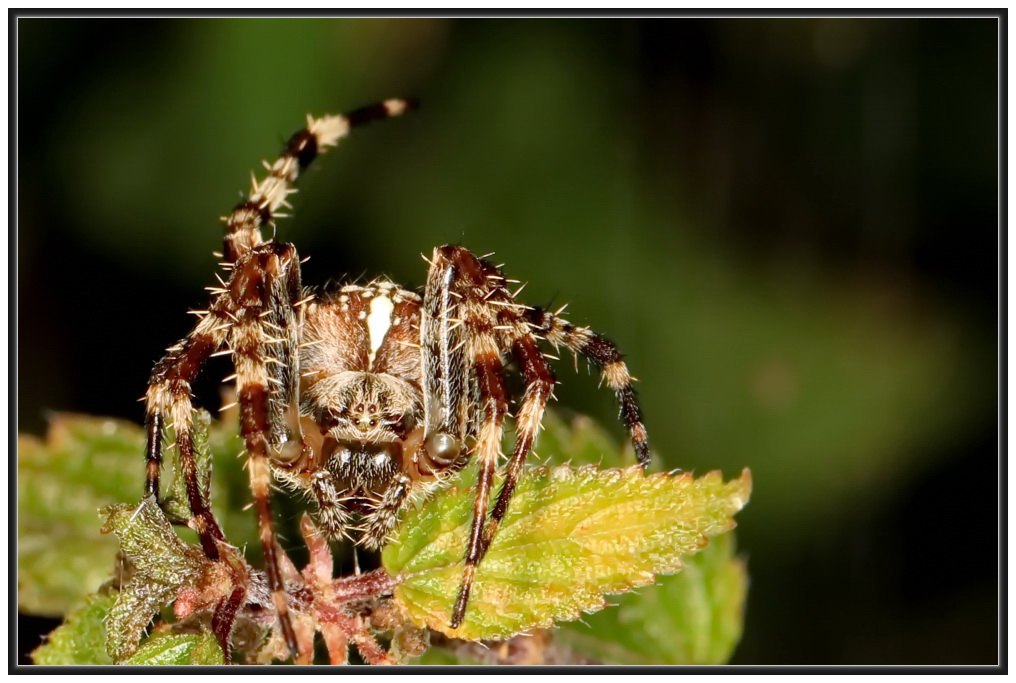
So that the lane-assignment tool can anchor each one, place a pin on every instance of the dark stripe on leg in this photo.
(153, 454)
(379, 111)
(474, 552)
(224, 618)
(303, 146)
(632, 417)
(254, 425)
(207, 528)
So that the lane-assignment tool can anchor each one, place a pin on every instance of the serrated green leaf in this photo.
(570, 537)
(179, 649)
(693, 617)
(81, 639)
(690, 618)
(84, 464)
(153, 547)
(162, 562)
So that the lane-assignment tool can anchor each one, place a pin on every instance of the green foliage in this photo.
(84, 464)
(694, 617)
(570, 536)
(187, 648)
(690, 618)
(162, 564)
(81, 639)
(574, 534)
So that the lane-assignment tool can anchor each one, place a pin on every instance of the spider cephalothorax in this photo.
(366, 397)
(362, 398)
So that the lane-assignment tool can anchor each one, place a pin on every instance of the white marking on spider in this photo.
(378, 322)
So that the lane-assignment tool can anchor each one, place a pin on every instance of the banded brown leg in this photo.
(169, 395)
(605, 356)
(462, 345)
(260, 207)
(263, 339)
(539, 387)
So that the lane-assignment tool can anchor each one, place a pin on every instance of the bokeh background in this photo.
(788, 225)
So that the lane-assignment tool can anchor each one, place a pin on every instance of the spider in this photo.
(365, 398)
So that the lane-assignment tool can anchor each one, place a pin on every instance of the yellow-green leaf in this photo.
(694, 617)
(571, 536)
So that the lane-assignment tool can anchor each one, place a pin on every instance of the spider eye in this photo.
(443, 447)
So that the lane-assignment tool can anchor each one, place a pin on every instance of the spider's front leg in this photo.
(264, 340)
(257, 317)
(469, 319)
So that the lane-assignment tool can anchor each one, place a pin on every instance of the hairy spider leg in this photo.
(469, 294)
(224, 617)
(170, 384)
(473, 288)
(458, 326)
(539, 387)
(267, 288)
(169, 394)
(385, 515)
(260, 208)
(605, 356)
(255, 316)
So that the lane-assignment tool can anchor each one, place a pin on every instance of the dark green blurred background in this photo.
(789, 226)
